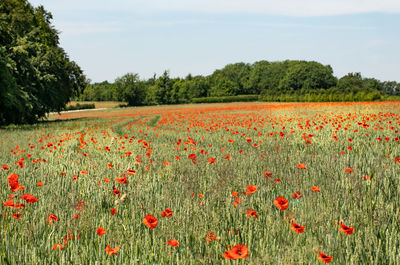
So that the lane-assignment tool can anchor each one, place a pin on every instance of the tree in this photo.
(37, 75)
(307, 76)
(131, 89)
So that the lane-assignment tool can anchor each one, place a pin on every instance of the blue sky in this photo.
(111, 38)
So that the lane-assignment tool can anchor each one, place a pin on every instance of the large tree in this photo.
(36, 74)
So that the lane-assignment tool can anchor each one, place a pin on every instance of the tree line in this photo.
(37, 76)
(289, 80)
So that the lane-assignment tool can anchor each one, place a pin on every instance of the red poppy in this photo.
(131, 172)
(251, 189)
(211, 237)
(235, 193)
(40, 184)
(10, 203)
(16, 216)
(29, 198)
(211, 160)
(113, 211)
(116, 191)
(349, 170)
(324, 258)
(315, 188)
(251, 213)
(172, 243)
(301, 166)
(267, 174)
(150, 221)
(297, 228)
(237, 201)
(123, 180)
(52, 218)
(192, 156)
(76, 216)
(111, 251)
(281, 203)
(237, 252)
(296, 195)
(106, 180)
(101, 231)
(5, 167)
(13, 182)
(166, 213)
(346, 229)
(59, 246)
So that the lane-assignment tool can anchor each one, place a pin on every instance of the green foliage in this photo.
(79, 106)
(239, 98)
(36, 74)
(307, 76)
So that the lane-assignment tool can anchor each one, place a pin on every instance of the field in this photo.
(249, 183)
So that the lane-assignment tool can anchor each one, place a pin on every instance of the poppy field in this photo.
(254, 183)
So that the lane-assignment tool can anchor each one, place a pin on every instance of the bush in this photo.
(80, 106)
(239, 98)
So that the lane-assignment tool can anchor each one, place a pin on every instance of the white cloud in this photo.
(274, 7)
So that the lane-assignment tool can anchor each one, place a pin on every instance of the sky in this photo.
(108, 39)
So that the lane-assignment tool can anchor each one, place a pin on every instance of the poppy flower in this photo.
(211, 160)
(58, 246)
(52, 218)
(251, 189)
(235, 193)
(106, 180)
(367, 177)
(5, 167)
(123, 180)
(166, 213)
(16, 216)
(116, 191)
(296, 195)
(349, 170)
(111, 251)
(29, 198)
(113, 211)
(301, 166)
(346, 229)
(150, 221)
(13, 182)
(40, 184)
(297, 228)
(76, 216)
(172, 243)
(211, 237)
(281, 203)
(251, 213)
(267, 174)
(315, 188)
(324, 258)
(237, 252)
(131, 172)
(192, 156)
(101, 231)
(237, 201)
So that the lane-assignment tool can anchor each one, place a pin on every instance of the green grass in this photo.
(370, 206)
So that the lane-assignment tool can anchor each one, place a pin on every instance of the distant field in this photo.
(263, 183)
(98, 104)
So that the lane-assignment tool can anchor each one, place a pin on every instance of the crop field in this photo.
(253, 183)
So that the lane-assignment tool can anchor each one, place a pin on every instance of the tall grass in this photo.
(257, 140)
